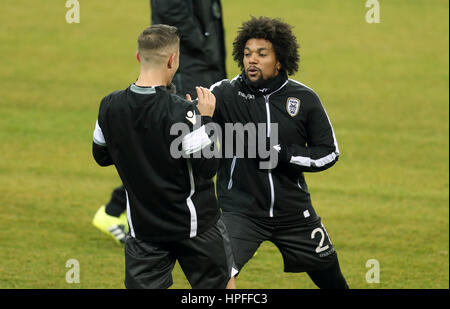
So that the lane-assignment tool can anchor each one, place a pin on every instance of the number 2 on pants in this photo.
(320, 247)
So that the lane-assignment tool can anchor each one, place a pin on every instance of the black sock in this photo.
(118, 203)
(113, 210)
(329, 278)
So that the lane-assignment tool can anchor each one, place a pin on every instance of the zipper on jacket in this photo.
(233, 163)
(269, 172)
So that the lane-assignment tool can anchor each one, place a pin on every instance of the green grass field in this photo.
(385, 88)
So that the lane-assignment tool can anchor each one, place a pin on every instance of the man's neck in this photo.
(151, 79)
(266, 86)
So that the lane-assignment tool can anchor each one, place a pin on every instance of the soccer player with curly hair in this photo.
(270, 201)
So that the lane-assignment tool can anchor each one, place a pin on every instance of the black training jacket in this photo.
(202, 41)
(306, 144)
(169, 197)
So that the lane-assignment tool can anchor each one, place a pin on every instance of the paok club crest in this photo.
(293, 106)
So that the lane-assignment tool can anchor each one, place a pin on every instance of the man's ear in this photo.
(278, 66)
(137, 56)
(171, 61)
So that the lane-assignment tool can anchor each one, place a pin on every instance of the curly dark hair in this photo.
(277, 32)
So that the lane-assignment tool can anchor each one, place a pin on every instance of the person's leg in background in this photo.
(112, 217)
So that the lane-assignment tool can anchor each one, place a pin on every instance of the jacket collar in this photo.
(150, 90)
(266, 87)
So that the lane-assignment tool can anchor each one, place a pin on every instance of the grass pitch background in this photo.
(385, 88)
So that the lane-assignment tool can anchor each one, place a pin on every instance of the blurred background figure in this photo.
(202, 46)
(202, 63)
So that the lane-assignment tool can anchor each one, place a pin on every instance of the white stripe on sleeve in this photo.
(99, 139)
(190, 204)
(306, 161)
(195, 141)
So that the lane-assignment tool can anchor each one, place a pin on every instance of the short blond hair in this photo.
(158, 41)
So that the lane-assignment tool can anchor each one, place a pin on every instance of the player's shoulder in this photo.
(180, 108)
(224, 84)
(179, 102)
(295, 87)
(115, 94)
(108, 100)
(112, 96)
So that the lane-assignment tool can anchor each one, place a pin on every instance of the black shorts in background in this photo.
(206, 261)
(304, 245)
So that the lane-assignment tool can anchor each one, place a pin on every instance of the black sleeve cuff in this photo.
(206, 119)
(283, 154)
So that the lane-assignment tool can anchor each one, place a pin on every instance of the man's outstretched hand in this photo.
(206, 101)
